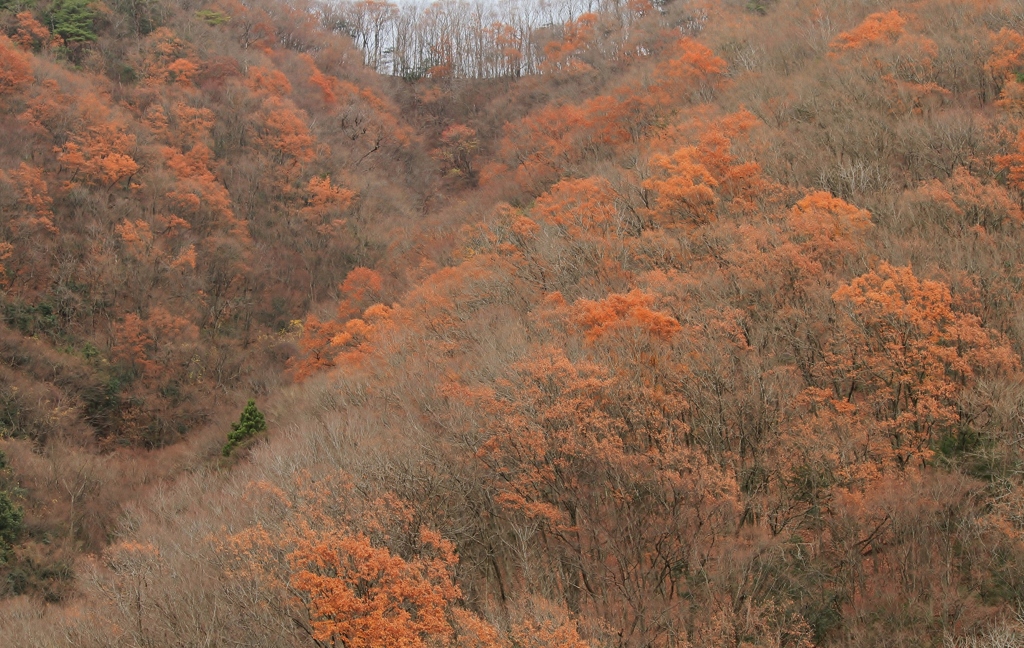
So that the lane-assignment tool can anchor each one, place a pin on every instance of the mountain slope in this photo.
(707, 334)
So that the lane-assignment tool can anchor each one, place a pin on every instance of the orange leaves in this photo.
(363, 596)
(985, 204)
(826, 228)
(6, 249)
(191, 124)
(459, 145)
(905, 60)
(697, 181)
(361, 287)
(103, 154)
(555, 140)
(523, 229)
(15, 68)
(155, 119)
(615, 312)
(197, 187)
(327, 344)
(315, 344)
(167, 59)
(578, 206)
(32, 35)
(565, 55)
(356, 578)
(473, 632)
(739, 181)
(356, 338)
(692, 64)
(1011, 96)
(908, 356)
(186, 259)
(181, 72)
(686, 188)
(692, 61)
(194, 165)
(876, 28)
(153, 346)
(266, 81)
(1007, 56)
(550, 415)
(325, 200)
(326, 84)
(588, 452)
(899, 308)
(35, 196)
(1014, 164)
(459, 134)
(160, 248)
(323, 226)
(966, 201)
(131, 342)
(198, 194)
(136, 234)
(798, 252)
(507, 44)
(507, 232)
(545, 143)
(284, 132)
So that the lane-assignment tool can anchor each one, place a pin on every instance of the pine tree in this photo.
(73, 20)
(250, 424)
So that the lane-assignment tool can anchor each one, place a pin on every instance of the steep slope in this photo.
(716, 342)
(178, 197)
(178, 188)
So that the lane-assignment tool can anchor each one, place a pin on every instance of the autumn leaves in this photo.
(167, 175)
(698, 372)
(636, 390)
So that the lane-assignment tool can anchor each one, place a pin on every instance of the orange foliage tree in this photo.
(901, 362)
(691, 66)
(685, 187)
(578, 207)
(361, 288)
(32, 35)
(103, 154)
(356, 575)
(565, 55)
(876, 28)
(590, 447)
(15, 68)
(358, 595)
(35, 196)
(157, 347)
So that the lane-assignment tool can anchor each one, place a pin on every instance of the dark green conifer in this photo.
(250, 424)
(73, 20)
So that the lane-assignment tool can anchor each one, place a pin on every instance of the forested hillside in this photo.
(671, 324)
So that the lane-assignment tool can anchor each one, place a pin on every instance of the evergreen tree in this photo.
(250, 424)
(73, 20)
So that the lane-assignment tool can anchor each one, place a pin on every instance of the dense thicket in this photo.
(682, 325)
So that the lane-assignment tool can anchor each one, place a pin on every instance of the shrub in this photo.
(11, 519)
